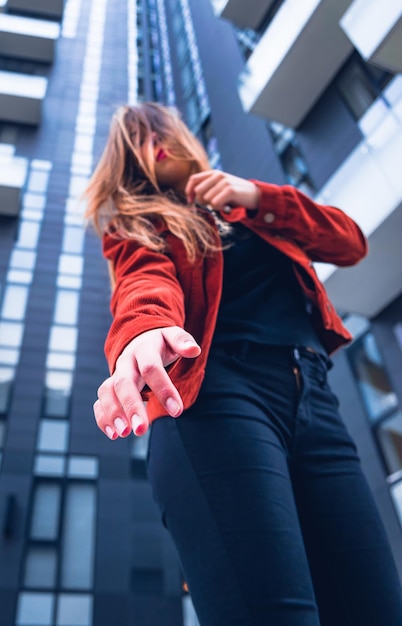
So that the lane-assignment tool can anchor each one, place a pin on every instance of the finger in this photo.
(194, 181)
(127, 387)
(118, 406)
(102, 421)
(179, 342)
(204, 189)
(157, 379)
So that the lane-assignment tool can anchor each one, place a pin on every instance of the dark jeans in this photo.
(262, 491)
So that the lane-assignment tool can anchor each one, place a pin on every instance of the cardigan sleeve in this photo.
(146, 294)
(325, 233)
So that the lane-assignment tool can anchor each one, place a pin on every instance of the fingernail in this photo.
(120, 425)
(137, 424)
(110, 432)
(173, 407)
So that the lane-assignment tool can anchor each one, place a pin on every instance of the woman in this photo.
(221, 321)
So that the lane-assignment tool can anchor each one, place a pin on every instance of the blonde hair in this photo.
(123, 195)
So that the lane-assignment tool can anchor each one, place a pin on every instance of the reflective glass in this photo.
(9, 356)
(40, 567)
(73, 240)
(78, 537)
(74, 609)
(371, 377)
(14, 302)
(35, 609)
(20, 277)
(49, 465)
(34, 201)
(22, 260)
(396, 492)
(69, 282)
(46, 512)
(60, 361)
(53, 436)
(390, 437)
(38, 181)
(2, 432)
(6, 382)
(83, 467)
(28, 234)
(11, 334)
(63, 339)
(57, 393)
(66, 309)
(71, 264)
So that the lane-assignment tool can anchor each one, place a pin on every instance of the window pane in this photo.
(40, 567)
(38, 181)
(372, 378)
(396, 492)
(390, 438)
(46, 512)
(66, 310)
(19, 276)
(22, 260)
(78, 537)
(11, 334)
(70, 264)
(28, 234)
(35, 609)
(83, 467)
(53, 436)
(74, 610)
(57, 393)
(6, 382)
(2, 433)
(60, 360)
(9, 356)
(14, 303)
(73, 240)
(63, 338)
(49, 465)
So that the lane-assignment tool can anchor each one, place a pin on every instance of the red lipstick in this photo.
(161, 155)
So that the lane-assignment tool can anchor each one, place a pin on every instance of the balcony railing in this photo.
(375, 29)
(296, 58)
(242, 13)
(368, 186)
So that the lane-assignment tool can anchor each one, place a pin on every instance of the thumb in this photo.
(181, 342)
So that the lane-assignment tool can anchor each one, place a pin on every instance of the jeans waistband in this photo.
(245, 348)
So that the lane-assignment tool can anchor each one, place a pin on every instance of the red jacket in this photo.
(155, 290)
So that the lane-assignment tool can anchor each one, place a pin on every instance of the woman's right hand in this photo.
(119, 408)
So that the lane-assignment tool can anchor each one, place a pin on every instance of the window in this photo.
(6, 382)
(53, 436)
(14, 303)
(66, 309)
(389, 433)
(375, 388)
(78, 537)
(46, 512)
(396, 492)
(57, 393)
(360, 84)
(40, 567)
(35, 609)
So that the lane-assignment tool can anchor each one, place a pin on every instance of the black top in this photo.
(262, 300)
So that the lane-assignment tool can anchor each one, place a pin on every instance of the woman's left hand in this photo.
(219, 190)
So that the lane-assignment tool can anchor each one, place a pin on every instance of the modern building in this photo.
(303, 93)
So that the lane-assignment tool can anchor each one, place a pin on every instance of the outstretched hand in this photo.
(120, 408)
(221, 190)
